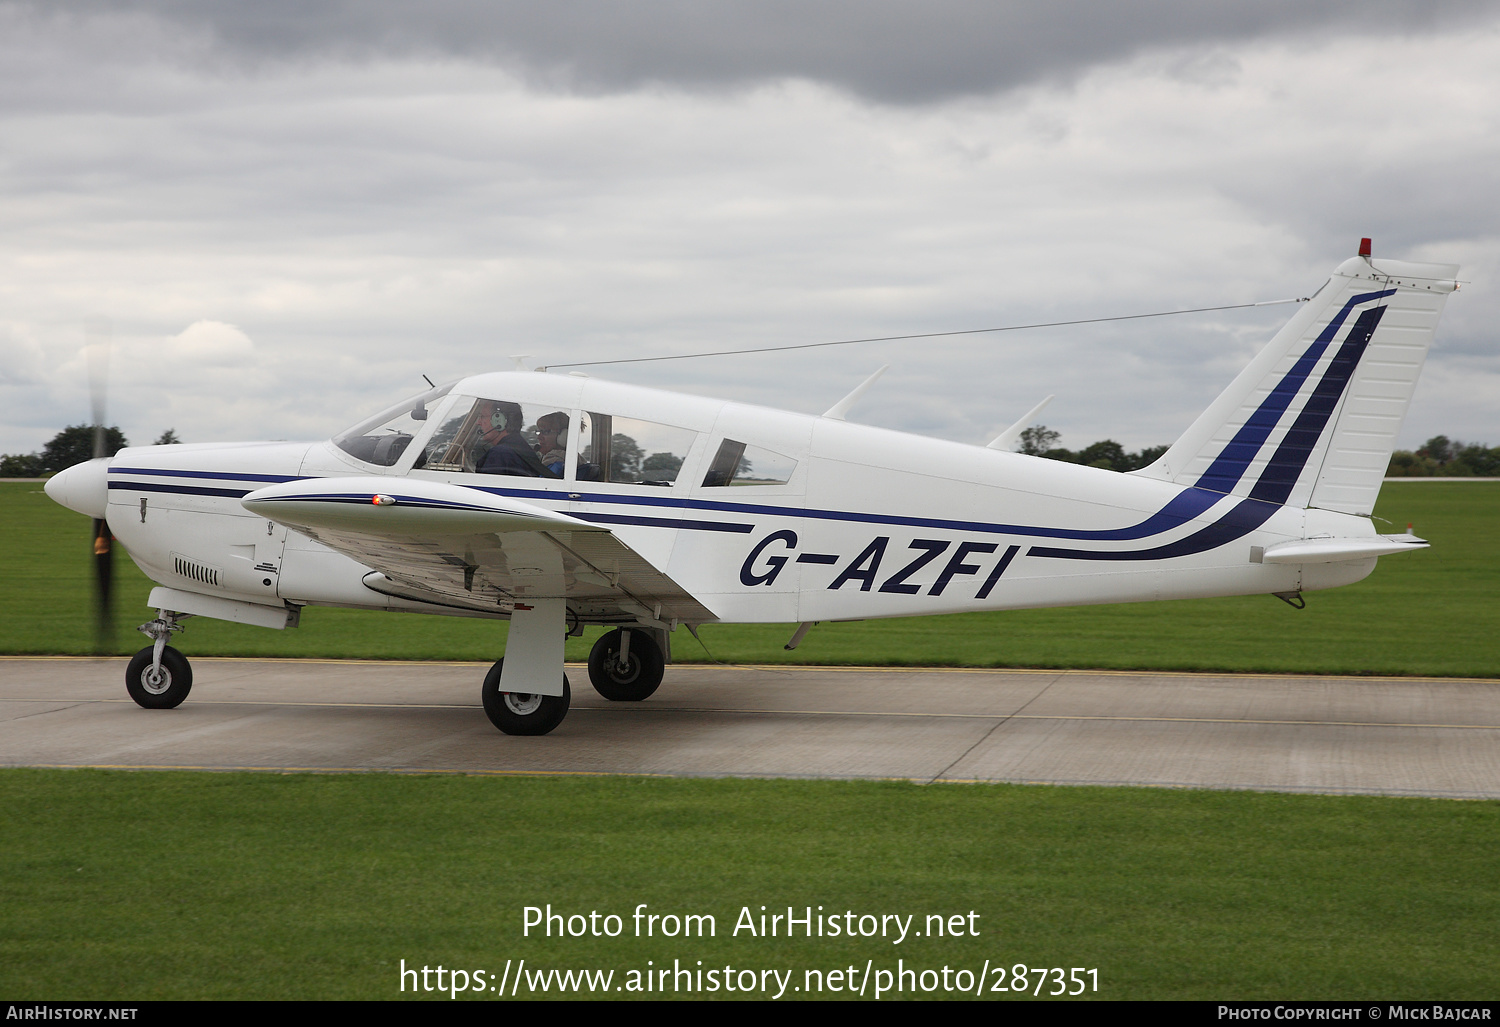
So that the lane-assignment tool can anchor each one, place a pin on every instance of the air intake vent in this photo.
(195, 571)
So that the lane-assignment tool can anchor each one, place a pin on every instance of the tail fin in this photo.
(1313, 420)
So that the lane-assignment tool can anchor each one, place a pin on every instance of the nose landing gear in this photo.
(159, 677)
(159, 685)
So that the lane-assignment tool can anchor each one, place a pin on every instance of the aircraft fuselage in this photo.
(868, 523)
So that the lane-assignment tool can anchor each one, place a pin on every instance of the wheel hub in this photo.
(155, 681)
(522, 703)
(626, 674)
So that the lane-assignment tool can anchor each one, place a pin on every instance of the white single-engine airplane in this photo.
(559, 501)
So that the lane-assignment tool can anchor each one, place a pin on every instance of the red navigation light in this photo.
(1364, 247)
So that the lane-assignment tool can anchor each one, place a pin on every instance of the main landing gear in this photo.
(159, 677)
(523, 713)
(626, 665)
(531, 695)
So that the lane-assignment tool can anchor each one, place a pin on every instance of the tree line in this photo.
(1039, 440)
(1438, 457)
(1442, 457)
(73, 445)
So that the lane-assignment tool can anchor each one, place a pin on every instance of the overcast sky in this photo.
(283, 214)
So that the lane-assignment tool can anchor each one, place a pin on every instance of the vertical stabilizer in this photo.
(1313, 420)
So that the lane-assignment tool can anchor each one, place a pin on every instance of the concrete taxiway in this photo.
(1397, 736)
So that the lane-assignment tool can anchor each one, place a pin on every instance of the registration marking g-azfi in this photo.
(767, 559)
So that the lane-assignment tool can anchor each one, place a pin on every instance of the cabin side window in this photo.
(739, 464)
(496, 436)
(631, 451)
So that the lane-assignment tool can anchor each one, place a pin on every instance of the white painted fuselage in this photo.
(870, 523)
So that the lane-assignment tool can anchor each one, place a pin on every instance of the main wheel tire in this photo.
(161, 691)
(644, 667)
(523, 713)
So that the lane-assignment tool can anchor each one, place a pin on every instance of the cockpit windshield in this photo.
(383, 438)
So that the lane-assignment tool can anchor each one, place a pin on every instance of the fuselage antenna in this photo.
(923, 335)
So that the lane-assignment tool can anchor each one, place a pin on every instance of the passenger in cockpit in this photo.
(509, 452)
(552, 440)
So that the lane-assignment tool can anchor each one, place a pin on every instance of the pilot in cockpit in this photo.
(509, 452)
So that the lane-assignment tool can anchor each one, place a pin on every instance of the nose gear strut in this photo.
(159, 631)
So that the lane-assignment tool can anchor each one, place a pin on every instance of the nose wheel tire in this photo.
(642, 673)
(161, 689)
(523, 713)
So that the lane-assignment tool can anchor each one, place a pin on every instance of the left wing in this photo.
(450, 545)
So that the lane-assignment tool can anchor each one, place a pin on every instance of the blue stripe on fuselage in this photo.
(1291, 456)
(1245, 517)
(667, 522)
(274, 479)
(185, 490)
(1230, 465)
(1237, 522)
(1182, 508)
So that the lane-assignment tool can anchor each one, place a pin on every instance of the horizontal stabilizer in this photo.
(1336, 550)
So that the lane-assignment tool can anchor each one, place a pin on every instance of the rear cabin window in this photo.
(739, 464)
(630, 451)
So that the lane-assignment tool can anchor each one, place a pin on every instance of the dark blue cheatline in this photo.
(1246, 516)
(185, 490)
(1291, 456)
(272, 479)
(1230, 465)
(667, 522)
(1180, 510)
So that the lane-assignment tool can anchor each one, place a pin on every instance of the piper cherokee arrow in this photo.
(558, 502)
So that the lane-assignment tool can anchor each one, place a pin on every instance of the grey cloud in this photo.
(890, 51)
(367, 221)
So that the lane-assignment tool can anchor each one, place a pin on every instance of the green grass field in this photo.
(1433, 612)
(142, 885)
(177, 885)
